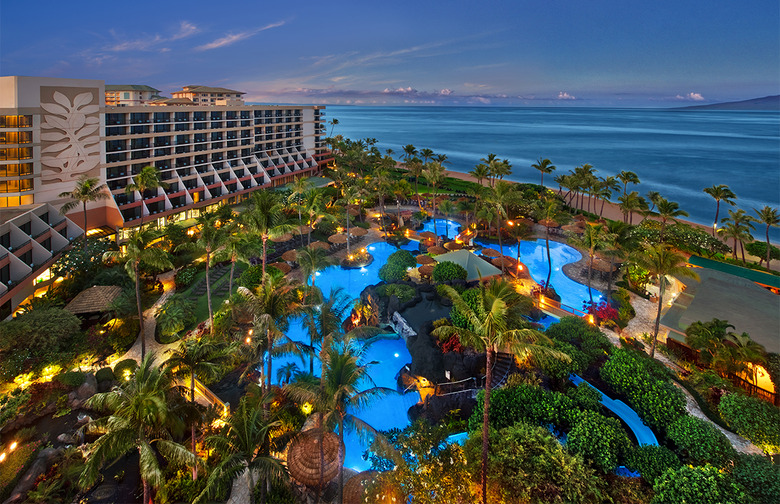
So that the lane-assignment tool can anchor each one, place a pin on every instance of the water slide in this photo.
(643, 434)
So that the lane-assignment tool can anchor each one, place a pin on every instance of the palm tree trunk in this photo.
(742, 251)
(250, 481)
(347, 229)
(140, 311)
(768, 247)
(270, 353)
(208, 291)
(717, 210)
(549, 259)
(500, 245)
(486, 421)
(84, 203)
(611, 272)
(192, 399)
(340, 499)
(300, 224)
(590, 278)
(265, 249)
(147, 494)
(661, 290)
(601, 211)
(232, 269)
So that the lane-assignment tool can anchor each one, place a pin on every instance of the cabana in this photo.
(476, 267)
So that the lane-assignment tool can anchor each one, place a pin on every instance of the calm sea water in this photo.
(674, 152)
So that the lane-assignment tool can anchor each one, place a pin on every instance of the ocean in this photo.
(675, 152)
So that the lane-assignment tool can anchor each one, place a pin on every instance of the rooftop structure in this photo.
(476, 267)
(129, 95)
(205, 95)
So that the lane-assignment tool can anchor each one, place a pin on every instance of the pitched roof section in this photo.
(476, 268)
(207, 89)
(130, 87)
(94, 300)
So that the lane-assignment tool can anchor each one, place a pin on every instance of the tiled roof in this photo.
(130, 87)
(94, 300)
(207, 89)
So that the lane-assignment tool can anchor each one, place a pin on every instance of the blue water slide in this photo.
(643, 434)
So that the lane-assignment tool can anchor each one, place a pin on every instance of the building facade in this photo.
(128, 95)
(53, 131)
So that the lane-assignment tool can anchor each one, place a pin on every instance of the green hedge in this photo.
(392, 272)
(753, 419)
(699, 442)
(185, 276)
(599, 439)
(759, 477)
(72, 379)
(403, 292)
(524, 402)
(652, 461)
(699, 485)
(585, 337)
(105, 374)
(446, 271)
(124, 365)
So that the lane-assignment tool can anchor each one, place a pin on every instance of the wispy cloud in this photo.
(563, 95)
(690, 97)
(232, 38)
(186, 29)
(151, 42)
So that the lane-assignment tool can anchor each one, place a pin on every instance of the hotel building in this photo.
(211, 151)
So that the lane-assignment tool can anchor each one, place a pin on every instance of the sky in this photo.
(426, 52)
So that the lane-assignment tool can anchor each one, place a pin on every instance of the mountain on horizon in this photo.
(765, 103)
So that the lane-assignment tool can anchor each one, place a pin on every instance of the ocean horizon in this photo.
(676, 152)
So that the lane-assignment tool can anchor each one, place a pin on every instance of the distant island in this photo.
(765, 103)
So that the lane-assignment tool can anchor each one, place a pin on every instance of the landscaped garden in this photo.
(289, 353)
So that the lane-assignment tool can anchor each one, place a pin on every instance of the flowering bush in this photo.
(451, 344)
(14, 466)
(603, 311)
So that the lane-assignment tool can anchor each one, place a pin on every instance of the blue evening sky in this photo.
(523, 52)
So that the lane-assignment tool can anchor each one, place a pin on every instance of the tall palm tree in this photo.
(139, 249)
(240, 441)
(668, 210)
(425, 154)
(604, 190)
(661, 260)
(237, 246)
(143, 415)
(87, 189)
(491, 333)
(333, 123)
(211, 236)
(738, 226)
(434, 174)
(593, 238)
(543, 166)
(323, 321)
(500, 197)
(747, 352)
(148, 179)
(312, 260)
(413, 167)
(196, 358)
(549, 210)
(300, 187)
(348, 195)
(617, 245)
(314, 207)
(720, 193)
(272, 305)
(627, 177)
(519, 231)
(630, 203)
(401, 190)
(447, 207)
(265, 218)
(480, 172)
(770, 217)
(340, 396)
(382, 185)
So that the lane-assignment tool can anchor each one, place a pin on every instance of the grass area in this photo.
(201, 301)
(14, 466)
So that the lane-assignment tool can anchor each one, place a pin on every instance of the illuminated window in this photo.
(13, 201)
(15, 137)
(9, 186)
(15, 170)
(15, 121)
(16, 153)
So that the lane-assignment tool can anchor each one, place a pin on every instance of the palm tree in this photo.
(604, 191)
(500, 196)
(210, 239)
(265, 218)
(434, 174)
(544, 166)
(87, 189)
(747, 352)
(630, 203)
(617, 243)
(627, 177)
(340, 396)
(594, 238)
(401, 190)
(661, 260)
(480, 172)
(312, 260)
(668, 210)
(382, 185)
(300, 187)
(349, 194)
(240, 441)
(314, 206)
(491, 333)
(333, 123)
(143, 416)
(720, 193)
(738, 227)
(519, 231)
(272, 305)
(549, 210)
(770, 217)
(425, 154)
(447, 207)
(148, 179)
(323, 322)
(236, 246)
(193, 358)
(139, 249)
(414, 168)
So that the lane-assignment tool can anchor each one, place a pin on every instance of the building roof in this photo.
(94, 300)
(745, 305)
(161, 100)
(130, 87)
(476, 267)
(207, 89)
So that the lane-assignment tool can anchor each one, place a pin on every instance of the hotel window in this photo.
(14, 154)
(12, 186)
(15, 137)
(16, 170)
(126, 96)
(15, 121)
(13, 201)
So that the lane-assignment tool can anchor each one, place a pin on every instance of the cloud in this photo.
(186, 29)
(563, 95)
(690, 97)
(150, 43)
(400, 90)
(232, 38)
(446, 92)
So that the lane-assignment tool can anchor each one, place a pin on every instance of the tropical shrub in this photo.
(773, 368)
(530, 403)
(473, 299)
(404, 293)
(625, 310)
(403, 257)
(105, 374)
(599, 439)
(698, 442)
(559, 370)
(176, 314)
(655, 399)
(528, 465)
(753, 419)
(11, 403)
(681, 236)
(652, 461)
(759, 476)
(451, 344)
(14, 466)
(392, 272)
(185, 276)
(446, 271)
(702, 485)
(758, 249)
(585, 337)
(124, 368)
(71, 379)
(251, 277)
(585, 397)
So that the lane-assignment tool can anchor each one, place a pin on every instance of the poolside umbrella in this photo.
(303, 457)
(453, 245)
(503, 262)
(489, 252)
(521, 271)
(426, 271)
(356, 486)
(437, 250)
(281, 238)
(304, 229)
(337, 238)
(283, 267)
(549, 223)
(358, 231)
(425, 259)
(428, 235)
(321, 245)
(353, 210)
(290, 256)
(572, 228)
